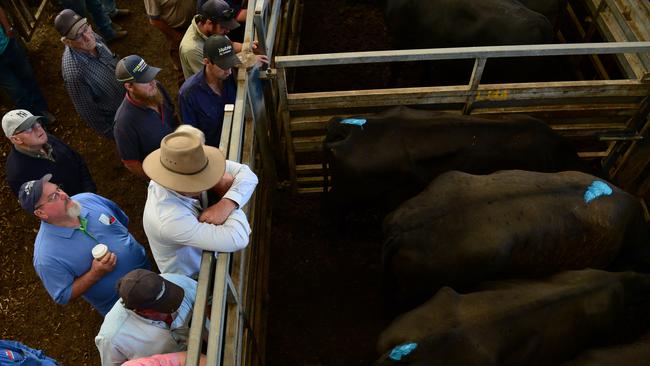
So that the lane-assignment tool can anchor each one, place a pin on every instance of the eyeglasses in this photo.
(84, 29)
(31, 128)
(54, 196)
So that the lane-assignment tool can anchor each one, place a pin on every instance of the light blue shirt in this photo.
(63, 254)
(125, 335)
(177, 237)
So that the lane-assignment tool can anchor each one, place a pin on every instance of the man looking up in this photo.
(145, 116)
(70, 228)
(35, 153)
(88, 68)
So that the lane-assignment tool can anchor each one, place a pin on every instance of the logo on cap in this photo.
(28, 187)
(140, 66)
(224, 50)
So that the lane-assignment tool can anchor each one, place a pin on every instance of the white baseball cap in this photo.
(17, 121)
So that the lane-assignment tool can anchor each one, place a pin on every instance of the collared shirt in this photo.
(191, 50)
(91, 84)
(67, 167)
(62, 254)
(202, 108)
(125, 335)
(176, 13)
(44, 153)
(139, 129)
(176, 236)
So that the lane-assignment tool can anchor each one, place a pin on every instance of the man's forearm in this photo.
(83, 283)
(135, 167)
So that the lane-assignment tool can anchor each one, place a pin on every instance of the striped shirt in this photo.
(92, 86)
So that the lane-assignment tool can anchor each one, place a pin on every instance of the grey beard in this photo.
(74, 209)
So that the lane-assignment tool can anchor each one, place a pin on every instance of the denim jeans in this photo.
(18, 80)
(109, 7)
(96, 9)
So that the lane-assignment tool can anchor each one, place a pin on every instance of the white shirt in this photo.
(176, 236)
(125, 335)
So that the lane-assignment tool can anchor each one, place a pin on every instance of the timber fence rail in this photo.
(605, 115)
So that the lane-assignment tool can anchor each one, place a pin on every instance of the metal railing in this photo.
(223, 278)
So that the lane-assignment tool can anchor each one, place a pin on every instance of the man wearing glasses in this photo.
(35, 153)
(88, 68)
(215, 17)
(70, 228)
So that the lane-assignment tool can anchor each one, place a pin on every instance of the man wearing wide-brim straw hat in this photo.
(177, 219)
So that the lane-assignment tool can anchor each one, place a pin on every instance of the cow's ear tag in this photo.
(402, 351)
(354, 121)
(596, 189)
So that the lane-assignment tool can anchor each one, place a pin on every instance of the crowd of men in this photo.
(194, 196)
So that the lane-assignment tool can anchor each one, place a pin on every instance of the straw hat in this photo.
(184, 164)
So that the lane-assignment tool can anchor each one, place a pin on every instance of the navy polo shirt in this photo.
(202, 108)
(138, 129)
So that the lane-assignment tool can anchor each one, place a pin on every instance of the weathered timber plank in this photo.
(458, 94)
(309, 169)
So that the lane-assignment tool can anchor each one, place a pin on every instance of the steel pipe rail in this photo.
(427, 54)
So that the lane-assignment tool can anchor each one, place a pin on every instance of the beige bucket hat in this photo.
(184, 164)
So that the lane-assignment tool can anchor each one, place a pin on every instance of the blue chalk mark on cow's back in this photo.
(402, 350)
(596, 189)
(354, 121)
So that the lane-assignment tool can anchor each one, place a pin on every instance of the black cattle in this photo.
(551, 9)
(464, 229)
(636, 353)
(519, 322)
(393, 155)
(467, 23)
(464, 23)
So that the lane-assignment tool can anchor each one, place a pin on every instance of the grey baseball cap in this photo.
(68, 23)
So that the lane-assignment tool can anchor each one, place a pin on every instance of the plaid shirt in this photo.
(91, 84)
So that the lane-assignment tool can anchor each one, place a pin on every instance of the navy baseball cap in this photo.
(219, 50)
(133, 69)
(30, 192)
(220, 12)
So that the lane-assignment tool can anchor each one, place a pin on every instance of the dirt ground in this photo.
(27, 313)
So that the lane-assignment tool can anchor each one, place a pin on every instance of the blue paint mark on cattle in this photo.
(597, 189)
(402, 350)
(354, 121)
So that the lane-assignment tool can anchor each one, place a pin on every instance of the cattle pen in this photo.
(272, 126)
(278, 131)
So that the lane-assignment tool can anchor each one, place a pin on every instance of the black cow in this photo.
(519, 322)
(393, 155)
(464, 229)
(464, 23)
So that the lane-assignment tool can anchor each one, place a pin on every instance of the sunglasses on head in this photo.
(84, 29)
(225, 15)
